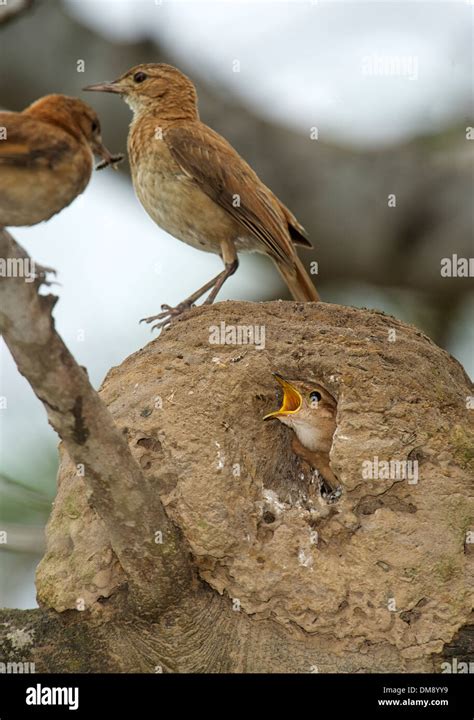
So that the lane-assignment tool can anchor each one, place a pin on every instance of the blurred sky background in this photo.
(302, 65)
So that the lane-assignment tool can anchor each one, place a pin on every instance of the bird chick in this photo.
(195, 186)
(310, 411)
(46, 157)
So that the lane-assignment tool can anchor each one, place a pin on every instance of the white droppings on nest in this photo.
(20, 638)
(304, 558)
(273, 501)
(314, 477)
(303, 502)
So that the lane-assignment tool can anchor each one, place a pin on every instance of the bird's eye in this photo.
(95, 126)
(314, 397)
(139, 77)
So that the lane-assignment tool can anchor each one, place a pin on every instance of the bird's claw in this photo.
(167, 316)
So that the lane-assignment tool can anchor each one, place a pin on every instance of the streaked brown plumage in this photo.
(195, 186)
(46, 157)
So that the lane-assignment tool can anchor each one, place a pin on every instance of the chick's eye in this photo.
(139, 77)
(314, 397)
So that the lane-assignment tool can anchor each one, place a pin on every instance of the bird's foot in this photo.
(168, 315)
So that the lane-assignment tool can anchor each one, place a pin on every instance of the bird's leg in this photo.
(329, 485)
(169, 313)
(231, 262)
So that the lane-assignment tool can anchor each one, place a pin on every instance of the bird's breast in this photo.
(312, 436)
(173, 199)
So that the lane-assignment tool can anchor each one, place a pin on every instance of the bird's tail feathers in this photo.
(298, 281)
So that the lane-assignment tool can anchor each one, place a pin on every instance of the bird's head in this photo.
(310, 410)
(77, 118)
(154, 86)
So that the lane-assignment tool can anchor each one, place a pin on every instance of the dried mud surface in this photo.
(387, 563)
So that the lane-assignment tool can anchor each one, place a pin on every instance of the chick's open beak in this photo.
(112, 87)
(292, 399)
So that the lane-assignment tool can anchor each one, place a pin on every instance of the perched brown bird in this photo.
(310, 411)
(197, 187)
(46, 157)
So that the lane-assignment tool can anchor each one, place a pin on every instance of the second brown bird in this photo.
(195, 186)
(46, 157)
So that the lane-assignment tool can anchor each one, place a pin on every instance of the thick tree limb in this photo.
(202, 634)
(124, 499)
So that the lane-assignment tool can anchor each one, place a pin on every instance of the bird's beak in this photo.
(292, 399)
(106, 157)
(111, 87)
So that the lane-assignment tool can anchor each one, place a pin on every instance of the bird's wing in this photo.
(224, 176)
(29, 143)
(297, 232)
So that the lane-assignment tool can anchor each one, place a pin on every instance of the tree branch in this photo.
(203, 634)
(126, 501)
